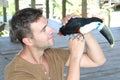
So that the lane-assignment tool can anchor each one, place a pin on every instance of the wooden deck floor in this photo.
(109, 71)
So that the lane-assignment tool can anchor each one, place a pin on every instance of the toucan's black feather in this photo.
(74, 24)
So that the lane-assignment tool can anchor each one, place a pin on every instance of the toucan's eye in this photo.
(99, 23)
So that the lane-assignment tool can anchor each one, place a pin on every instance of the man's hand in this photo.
(67, 18)
(76, 47)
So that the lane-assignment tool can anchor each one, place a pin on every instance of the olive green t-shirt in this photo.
(20, 69)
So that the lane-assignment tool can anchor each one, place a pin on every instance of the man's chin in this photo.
(51, 43)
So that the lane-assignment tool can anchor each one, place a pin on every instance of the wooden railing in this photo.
(47, 8)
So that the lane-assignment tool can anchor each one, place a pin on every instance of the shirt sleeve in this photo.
(64, 54)
(59, 54)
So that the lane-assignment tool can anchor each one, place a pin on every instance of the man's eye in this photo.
(44, 30)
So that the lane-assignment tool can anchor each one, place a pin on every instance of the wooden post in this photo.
(4, 15)
(33, 3)
(109, 13)
(63, 8)
(84, 8)
(16, 5)
(47, 8)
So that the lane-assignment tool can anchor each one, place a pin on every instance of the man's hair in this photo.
(20, 23)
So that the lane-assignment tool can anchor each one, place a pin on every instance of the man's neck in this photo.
(32, 55)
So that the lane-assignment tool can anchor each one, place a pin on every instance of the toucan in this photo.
(85, 25)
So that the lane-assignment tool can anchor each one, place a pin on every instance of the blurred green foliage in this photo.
(10, 9)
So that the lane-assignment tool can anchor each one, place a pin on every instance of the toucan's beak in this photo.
(106, 32)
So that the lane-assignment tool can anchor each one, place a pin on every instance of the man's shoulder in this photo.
(13, 62)
(19, 64)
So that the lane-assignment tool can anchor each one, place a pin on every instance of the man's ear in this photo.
(27, 41)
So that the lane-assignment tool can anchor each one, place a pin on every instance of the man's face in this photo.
(42, 33)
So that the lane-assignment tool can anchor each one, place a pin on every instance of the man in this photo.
(37, 61)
